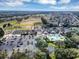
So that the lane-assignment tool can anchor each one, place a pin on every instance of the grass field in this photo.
(23, 25)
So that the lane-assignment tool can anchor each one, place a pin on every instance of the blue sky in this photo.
(40, 5)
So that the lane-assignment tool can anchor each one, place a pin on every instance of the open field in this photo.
(23, 25)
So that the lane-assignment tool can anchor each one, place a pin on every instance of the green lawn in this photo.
(14, 23)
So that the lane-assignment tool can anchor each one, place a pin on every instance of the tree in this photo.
(7, 25)
(3, 54)
(1, 32)
(75, 38)
(68, 34)
(41, 44)
(19, 20)
(40, 55)
(65, 54)
(48, 56)
(77, 33)
(72, 42)
(1, 21)
(4, 25)
(18, 55)
(46, 39)
(44, 20)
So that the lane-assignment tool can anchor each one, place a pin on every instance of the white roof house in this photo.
(55, 37)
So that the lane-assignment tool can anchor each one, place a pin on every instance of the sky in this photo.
(39, 5)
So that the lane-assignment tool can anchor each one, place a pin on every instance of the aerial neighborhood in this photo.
(39, 36)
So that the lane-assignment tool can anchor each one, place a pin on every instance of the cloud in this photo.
(64, 1)
(40, 4)
(1, 4)
(65, 8)
(26, 0)
(14, 3)
(74, 8)
(53, 2)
